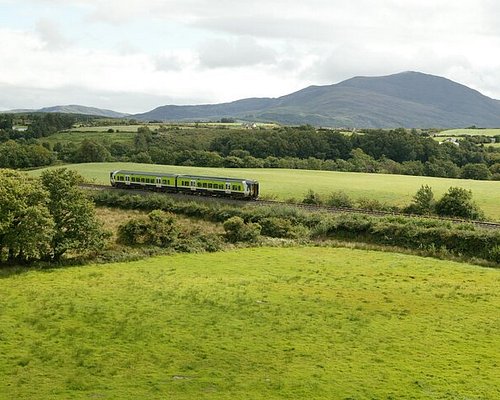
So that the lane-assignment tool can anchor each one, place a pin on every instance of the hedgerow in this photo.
(463, 240)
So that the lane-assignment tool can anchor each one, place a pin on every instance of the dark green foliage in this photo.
(312, 197)
(279, 227)
(412, 233)
(475, 171)
(26, 226)
(238, 231)
(90, 151)
(20, 155)
(76, 225)
(6, 121)
(45, 218)
(47, 124)
(158, 229)
(423, 202)
(415, 234)
(457, 202)
(365, 203)
(340, 199)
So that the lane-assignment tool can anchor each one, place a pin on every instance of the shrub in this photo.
(423, 201)
(339, 199)
(238, 231)
(312, 198)
(457, 202)
(279, 228)
(158, 229)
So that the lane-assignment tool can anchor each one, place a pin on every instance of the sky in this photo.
(135, 55)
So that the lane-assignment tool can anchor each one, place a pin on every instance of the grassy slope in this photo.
(393, 189)
(255, 324)
(471, 132)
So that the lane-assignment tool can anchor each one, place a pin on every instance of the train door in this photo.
(158, 182)
(192, 184)
(228, 188)
(127, 179)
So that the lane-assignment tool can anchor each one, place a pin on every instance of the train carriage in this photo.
(143, 180)
(194, 184)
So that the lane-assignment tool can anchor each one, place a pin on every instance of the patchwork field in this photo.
(285, 184)
(261, 323)
(471, 132)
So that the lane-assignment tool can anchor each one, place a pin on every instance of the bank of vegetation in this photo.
(399, 151)
(50, 220)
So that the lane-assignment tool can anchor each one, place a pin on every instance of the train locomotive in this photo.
(183, 183)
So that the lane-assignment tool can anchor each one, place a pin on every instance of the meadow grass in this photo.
(118, 128)
(79, 137)
(264, 323)
(285, 184)
(471, 132)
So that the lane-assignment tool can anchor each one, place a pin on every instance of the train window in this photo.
(142, 180)
(210, 186)
(204, 184)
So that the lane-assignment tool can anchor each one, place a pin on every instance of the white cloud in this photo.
(51, 35)
(204, 51)
(241, 52)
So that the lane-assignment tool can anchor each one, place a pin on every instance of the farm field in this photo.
(286, 184)
(98, 136)
(252, 324)
(119, 128)
(471, 132)
(152, 127)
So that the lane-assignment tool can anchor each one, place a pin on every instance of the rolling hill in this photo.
(74, 109)
(408, 99)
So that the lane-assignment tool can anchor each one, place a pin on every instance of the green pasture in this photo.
(266, 323)
(470, 132)
(285, 184)
(152, 127)
(119, 128)
(78, 137)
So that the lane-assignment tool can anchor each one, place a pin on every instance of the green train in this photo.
(180, 183)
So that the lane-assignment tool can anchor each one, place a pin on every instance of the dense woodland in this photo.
(396, 151)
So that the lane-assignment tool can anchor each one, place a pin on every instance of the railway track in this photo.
(309, 207)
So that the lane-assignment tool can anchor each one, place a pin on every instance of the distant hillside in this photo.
(76, 109)
(408, 99)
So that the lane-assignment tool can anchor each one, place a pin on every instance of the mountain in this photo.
(75, 109)
(408, 99)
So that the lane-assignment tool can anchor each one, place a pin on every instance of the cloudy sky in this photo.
(135, 55)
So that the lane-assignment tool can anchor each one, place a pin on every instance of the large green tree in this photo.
(26, 226)
(458, 202)
(77, 228)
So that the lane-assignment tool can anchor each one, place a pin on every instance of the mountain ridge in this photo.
(407, 99)
(74, 109)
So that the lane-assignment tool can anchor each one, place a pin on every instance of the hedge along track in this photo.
(309, 207)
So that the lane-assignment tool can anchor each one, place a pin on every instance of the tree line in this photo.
(45, 218)
(396, 151)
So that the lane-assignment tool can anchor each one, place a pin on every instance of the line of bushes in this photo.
(435, 236)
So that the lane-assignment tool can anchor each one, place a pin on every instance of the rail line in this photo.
(309, 207)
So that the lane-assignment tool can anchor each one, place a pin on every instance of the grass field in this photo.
(78, 137)
(471, 132)
(263, 323)
(152, 127)
(119, 128)
(285, 184)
